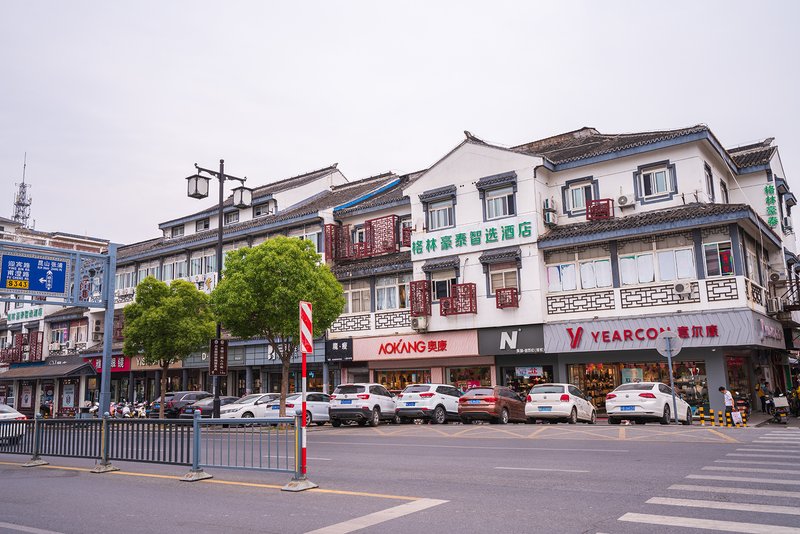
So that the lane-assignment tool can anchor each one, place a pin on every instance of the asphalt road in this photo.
(444, 479)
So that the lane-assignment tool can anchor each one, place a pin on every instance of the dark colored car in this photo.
(174, 401)
(497, 404)
(204, 406)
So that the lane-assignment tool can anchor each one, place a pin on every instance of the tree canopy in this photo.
(167, 323)
(260, 293)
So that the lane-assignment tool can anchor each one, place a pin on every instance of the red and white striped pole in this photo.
(306, 348)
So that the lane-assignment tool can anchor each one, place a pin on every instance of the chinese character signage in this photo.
(218, 357)
(118, 364)
(339, 350)
(28, 275)
(18, 316)
(772, 205)
(438, 345)
(471, 238)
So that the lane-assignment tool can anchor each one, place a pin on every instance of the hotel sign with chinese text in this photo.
(472, 238)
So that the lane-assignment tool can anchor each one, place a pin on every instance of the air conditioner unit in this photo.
(97, 327)
(55, 346)
(682, 288)
(774, 306)
(550, 205)
(97, 336)
(70, 344)
(626, 201)
(776, 277)
(420, 324)
(550, 218)
(787, 223)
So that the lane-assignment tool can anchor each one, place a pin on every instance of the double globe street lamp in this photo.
(198, 186)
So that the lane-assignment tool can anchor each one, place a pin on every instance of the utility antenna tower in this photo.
(22, 202)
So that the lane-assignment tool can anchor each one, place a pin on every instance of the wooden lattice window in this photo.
(420, 298)
(407, 236)
(602, 208)
(382, 234)
(507, 297)
(463, 299)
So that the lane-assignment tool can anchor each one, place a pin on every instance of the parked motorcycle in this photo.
(780, 409)
(742, 403)
(140, 411)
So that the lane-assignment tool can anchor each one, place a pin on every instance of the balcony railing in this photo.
(507, 297)
(420, 298)
(599, 209)
(407, 236)
(381, 236)
(463, 300)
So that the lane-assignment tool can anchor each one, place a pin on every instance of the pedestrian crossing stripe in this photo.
(708, 524)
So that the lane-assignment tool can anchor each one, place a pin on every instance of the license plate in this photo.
(348, 401)
(545, 408)
(411, 404)
(627, 408)
(277, 407)
(475, 402)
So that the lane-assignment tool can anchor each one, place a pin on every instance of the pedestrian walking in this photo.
(728, 404)
(762, 397)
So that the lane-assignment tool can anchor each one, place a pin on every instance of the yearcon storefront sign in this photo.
(713, 329)
(437, 345)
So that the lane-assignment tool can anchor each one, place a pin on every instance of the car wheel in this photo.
(308, 418)
(466, 420)
(665, 418)
(503, 417)
(320, 423)
(396, 420)
(593, 418)
(439, 416)
(613, 421)
(688, 417)
(335, 423)
(531, 421)
(573, 416)
(247, 415)
(375, 419)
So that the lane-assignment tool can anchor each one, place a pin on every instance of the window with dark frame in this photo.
(719, 259)
(723, 189)
(709, 182)
(176, 231)
(500, 203)
(231, 217)
(202, 224)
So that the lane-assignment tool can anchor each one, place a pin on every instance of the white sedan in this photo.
(559, 402)
(10, 430)
(254, 405)
(317, 405)
(645, 401)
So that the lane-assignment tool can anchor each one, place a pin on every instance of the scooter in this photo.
(140, 411)
(742, 403)
(780, 413)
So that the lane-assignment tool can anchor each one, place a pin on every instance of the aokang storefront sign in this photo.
(438, 345)
(716, 329)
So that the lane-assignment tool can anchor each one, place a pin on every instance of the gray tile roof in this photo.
(588, 142)
(387, 264)
(385, 198)
(326, 199)
(754, 154)
(641, 220)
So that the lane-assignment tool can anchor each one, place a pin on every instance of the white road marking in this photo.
(754, 462)
(325, 459)
(769, 450)
(736, 491)
(751, 470)
(708, 524)
(543, 469)
(22, 528)
(428, 445)
(378, 517)
(772, 455)
(717, 505)
(746, 479)
(786, 441)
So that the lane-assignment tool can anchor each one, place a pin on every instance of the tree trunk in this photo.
(285, 362)
(164, 368)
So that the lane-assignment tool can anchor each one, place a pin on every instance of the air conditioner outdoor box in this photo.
(626, 201)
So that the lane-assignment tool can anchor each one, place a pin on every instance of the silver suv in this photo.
(363, 403)
(434, 402)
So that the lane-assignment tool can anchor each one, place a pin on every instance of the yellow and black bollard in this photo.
(702, 416)
(712, 417)
(744, 419)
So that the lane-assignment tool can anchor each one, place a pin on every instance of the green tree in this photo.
(260, 292)
(166, 324)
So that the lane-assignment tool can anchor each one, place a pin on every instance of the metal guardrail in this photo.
(252, 444)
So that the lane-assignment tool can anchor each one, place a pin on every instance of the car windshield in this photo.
(6, 409)
(547, 388)
(349, 389)
(635, 387)
(248, 399)
(483, 392)
(416, 388)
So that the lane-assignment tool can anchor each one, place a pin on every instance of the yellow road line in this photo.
(720, 434)
(537, 432)
(230, 482)
(621, 434)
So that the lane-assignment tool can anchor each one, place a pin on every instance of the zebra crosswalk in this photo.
(752, 489)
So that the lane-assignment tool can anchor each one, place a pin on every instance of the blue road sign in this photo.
(30, 275)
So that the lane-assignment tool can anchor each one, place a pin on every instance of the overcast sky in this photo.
(114, 101)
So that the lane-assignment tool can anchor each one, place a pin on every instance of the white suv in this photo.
(434, 402)
(363, 403)
(559, 402)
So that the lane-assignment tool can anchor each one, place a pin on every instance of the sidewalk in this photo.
(758, 419)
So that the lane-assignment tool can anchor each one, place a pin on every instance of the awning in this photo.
(48, 371)
(500, 255)
(440, 264)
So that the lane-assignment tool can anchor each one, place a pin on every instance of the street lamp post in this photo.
(242, 197)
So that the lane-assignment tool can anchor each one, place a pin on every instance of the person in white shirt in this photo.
(728, 404)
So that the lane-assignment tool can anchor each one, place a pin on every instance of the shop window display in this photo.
(469, 377)
(396, 381)
(738, 379)
(595, 380)
(522, 379)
